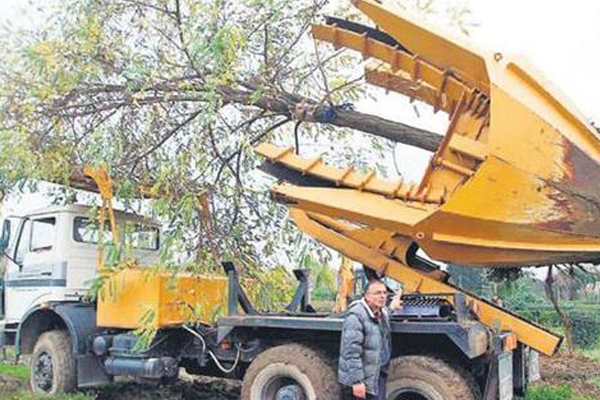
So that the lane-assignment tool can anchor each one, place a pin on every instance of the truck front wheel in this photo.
(290, 372)
(52, 368)
(429, 378)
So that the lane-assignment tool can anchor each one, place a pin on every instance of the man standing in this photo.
(366, 346)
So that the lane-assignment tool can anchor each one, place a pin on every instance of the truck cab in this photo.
(50, 255)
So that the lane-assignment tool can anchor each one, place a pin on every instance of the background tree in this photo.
(557, 293)
(173, 94)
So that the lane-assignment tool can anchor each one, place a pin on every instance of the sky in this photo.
(560, 38)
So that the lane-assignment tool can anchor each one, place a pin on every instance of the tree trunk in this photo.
(564, 318)
(311, 111)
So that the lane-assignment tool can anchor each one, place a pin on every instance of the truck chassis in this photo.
(440, 350)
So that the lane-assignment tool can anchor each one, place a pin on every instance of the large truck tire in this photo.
(52, 368)
(291, 372)
(429, 378)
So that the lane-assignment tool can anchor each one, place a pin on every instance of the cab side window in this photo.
(24, 242)
(42, 234)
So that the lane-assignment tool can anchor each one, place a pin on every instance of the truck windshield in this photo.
(138, 236)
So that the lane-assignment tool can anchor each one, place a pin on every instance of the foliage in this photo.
(504, 275)
(322, 278)
(586, 321)
(167, 94)
(172, 96)
(473, 280)
(585, 317)
(271, 289)
(524, 296)
(521, 294)
(562, 392)
(18, 371)
(593, 353)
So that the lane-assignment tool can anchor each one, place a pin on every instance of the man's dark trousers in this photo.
(380, 395)
(381, 385)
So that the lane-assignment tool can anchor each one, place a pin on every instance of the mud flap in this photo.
(499, 385)
(505, 376)
(90, 371)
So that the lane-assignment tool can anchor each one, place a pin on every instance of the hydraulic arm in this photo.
(514, 182)
(380, 244)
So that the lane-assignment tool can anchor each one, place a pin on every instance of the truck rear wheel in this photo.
(52, 368)
(429, 378)
(291, 372)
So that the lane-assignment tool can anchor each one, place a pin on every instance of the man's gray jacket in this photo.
(366, 347)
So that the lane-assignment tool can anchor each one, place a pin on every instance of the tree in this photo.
(173, 94)
(563, 316)
(560, 284)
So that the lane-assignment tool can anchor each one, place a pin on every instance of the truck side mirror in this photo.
(5, 238)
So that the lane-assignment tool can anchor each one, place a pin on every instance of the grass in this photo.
(595, 380)
(18, 371)
(22, 372)
(563, 392)
(593, 353)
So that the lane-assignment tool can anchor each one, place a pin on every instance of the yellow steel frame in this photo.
(363, 181)
(514, 181)
(104, 184)
(396, 69)
(380, 250)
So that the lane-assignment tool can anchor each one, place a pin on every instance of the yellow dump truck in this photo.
(512, 184)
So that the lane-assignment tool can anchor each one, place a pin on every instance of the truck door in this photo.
(7, 242)
(32, 276)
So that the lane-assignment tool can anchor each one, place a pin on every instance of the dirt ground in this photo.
(196, 389)
(199, 388)
(574, 370)
(9, 384)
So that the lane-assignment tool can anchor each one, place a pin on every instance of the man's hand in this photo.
(359, 390)
(396, 303)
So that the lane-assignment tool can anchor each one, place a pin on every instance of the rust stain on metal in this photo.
(579, 194)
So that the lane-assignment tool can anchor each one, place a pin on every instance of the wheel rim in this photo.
(43, 373)
(283, 388)
(290, 392)
(408, 394)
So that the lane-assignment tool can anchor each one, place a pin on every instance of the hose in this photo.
(212, 355)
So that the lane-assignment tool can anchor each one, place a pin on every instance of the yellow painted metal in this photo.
(513, 183)
(345, 285)
(361, 207)
(515, 180)
(396, 69)
(104, 185)
(348, 177)
(449, 169)
(435, 94)
(133, 298)
(446, 232)
(429, 43)
(368, 246)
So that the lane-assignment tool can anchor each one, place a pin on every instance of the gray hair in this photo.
(372, 282)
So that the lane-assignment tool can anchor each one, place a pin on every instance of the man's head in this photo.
(376, 294)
